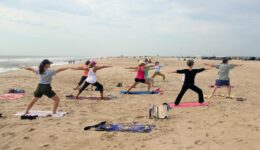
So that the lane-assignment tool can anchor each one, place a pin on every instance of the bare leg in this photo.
(102, 94)
(154, 75)
(149, 84)
(78, 94)
(132, 86)
(56, 103)
(213, 91)
(229, 91)
(162, 75)
(86, 84)
(31, 105)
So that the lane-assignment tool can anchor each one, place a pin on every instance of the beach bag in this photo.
(16, 91)
(159, 112)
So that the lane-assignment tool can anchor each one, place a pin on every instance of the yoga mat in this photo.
(139, 92)
(86, 98)
(43, 114)
(11, 96)
(188, 104)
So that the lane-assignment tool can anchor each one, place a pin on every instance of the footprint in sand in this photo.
(219, 142)
(174, 141)
(140, 117)
(26, 138)
(30, 130)
(190, 147)
(68, 123)
(8, 134)
(53, 137)
(18, 148)
(198, 142)
(107, 136)
(207, 135)
(46, 145)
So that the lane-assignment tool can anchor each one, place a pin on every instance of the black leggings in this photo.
(83, 78)
(193, 88)
(86, 84)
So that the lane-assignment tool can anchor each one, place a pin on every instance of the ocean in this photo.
(11, 63)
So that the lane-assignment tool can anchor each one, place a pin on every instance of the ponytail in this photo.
(41, 68)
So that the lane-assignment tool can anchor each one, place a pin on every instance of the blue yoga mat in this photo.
(139, 92)
(125, 128)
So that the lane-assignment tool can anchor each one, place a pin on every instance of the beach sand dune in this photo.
(226, 124)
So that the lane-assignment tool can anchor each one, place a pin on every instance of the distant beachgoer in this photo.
(84, 67)
(157, 72)
(92, 78)
(44, 86)
(190, 75)
(140, 77)
(223, 76)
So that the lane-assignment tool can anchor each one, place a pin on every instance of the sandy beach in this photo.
(226, 124)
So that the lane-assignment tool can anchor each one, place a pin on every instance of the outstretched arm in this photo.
(78, 68)
(29, 69)
(162, 65)
(172, 71)
(238, 65)
(131, 68)
(149, 66)
(62, 69)
(210, 65)
(102, 67)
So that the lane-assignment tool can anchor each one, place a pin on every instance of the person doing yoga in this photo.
(140, 76)
(92, 78)
(84, 74)
(223, 76)
(157, 72)
(189, 82)
(44, 86)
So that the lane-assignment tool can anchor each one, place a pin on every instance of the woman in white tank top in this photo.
(92, 79)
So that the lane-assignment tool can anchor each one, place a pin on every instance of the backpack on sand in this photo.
(159, 112)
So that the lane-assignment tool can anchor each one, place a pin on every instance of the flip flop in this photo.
(29, 117)
(207, 97)
(241, 99)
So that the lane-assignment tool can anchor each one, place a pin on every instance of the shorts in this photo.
(140, 80)
(222, 83)
(44, 89)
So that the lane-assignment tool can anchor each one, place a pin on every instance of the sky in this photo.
(95, 28)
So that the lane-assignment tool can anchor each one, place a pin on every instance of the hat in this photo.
(141, 62)
(46, 61)
(93, 62)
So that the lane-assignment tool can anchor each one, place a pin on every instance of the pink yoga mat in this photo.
(11, 96)
(188, 104)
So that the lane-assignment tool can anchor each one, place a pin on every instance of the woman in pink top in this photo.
(140, 77)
